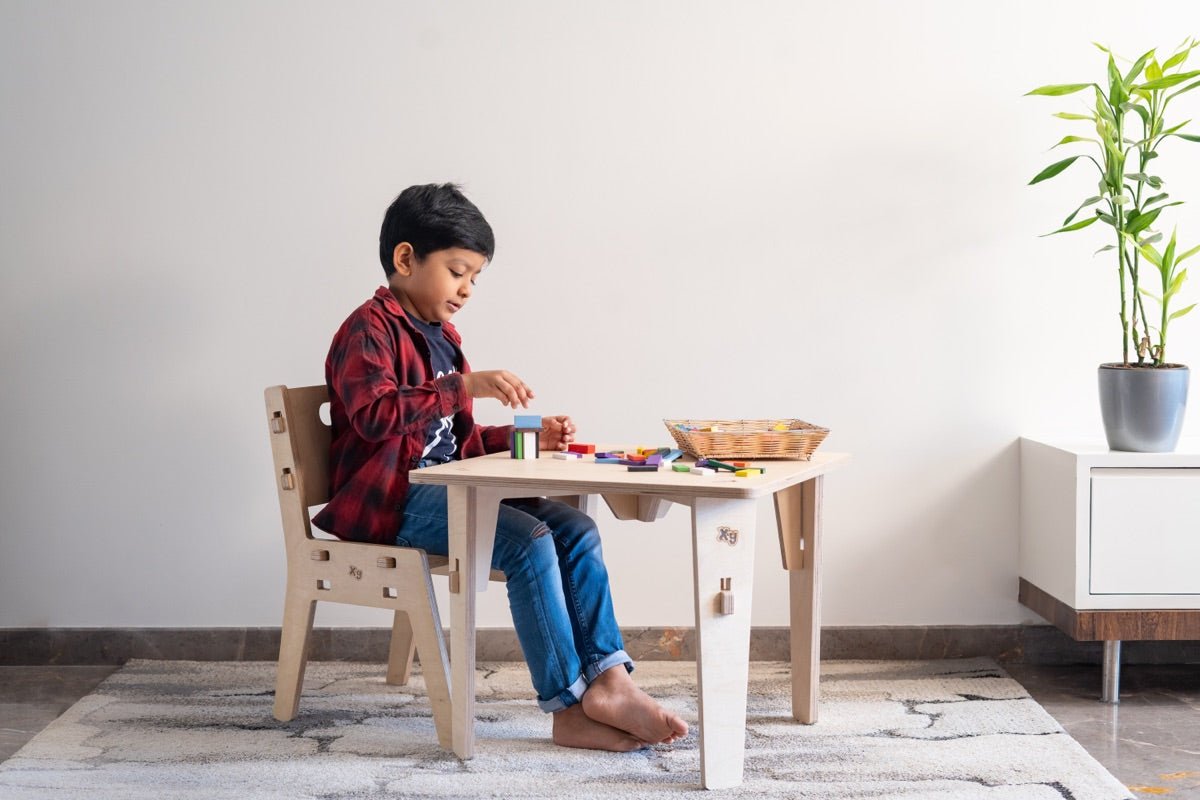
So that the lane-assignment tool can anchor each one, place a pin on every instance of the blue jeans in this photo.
(557, 587)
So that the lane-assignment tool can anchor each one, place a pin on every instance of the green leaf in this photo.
(1117, 93)
(1169, 81)
(1181, 312)
(1136, 69)
(1053, 169)
(1070, 139)
(1153, 70)
(1143, 221)
(1140, 110)
(1188, 254)
(1105, 248)
(1068, 115)
(1106, 219)
(1191, 137)
(1169, 253)
(1175, 60)
(1169, 131)
(1059, 89)
(1157, 237)
(1102, 107)
(1083, 223)
(1102, 48)
(1150, 294)
(1082, 206)
(1156, 198)
(1187, 88)
(1175, 284)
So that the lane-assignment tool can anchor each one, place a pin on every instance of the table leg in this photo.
(723, 564)
(798, 510)
(464, 511)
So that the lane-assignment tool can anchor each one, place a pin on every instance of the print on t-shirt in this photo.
(440, 443)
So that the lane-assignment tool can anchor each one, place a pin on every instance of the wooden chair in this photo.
(332, 570)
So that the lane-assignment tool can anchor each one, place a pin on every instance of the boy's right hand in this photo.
(499, 384)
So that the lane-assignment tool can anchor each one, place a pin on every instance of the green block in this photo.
(681, 467)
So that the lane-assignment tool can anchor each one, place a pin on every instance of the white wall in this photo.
(715, 209)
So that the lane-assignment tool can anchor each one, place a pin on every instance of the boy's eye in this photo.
(456, 274)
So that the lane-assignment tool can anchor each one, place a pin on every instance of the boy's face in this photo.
(436, 287)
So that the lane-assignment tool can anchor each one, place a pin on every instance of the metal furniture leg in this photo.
(1112, 672)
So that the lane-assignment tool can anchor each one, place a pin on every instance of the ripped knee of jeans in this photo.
(539, 530)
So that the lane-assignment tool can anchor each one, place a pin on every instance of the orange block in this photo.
(581, 448)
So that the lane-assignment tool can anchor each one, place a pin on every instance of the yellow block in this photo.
(748, 472)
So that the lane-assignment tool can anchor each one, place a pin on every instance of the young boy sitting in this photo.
(401, 399)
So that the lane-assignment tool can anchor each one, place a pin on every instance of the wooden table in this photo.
(724, 511)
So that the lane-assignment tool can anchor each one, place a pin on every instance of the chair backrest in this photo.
(300, 446)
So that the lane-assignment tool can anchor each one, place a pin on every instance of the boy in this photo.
(401, 399)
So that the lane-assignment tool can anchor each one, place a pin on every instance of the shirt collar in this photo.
(393, 307)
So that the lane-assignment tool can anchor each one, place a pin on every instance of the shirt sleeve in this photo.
(496, 438)
(378, 405)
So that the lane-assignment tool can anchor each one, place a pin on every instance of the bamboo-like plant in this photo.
(1130, 200)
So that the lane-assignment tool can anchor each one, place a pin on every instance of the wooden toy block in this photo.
(654, 460)
(671, 455)
(581, 448)
(712, 462)
(608, 461)
(781, 427)
(703, 471)
(567, 456)
(748, 473)
(525, 443)
(739, 464)
(531, 421)
(642, 468)
(634, 461)
(681, 468)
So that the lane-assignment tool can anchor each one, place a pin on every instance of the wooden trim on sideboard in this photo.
(1098, 626)
(1016, 644)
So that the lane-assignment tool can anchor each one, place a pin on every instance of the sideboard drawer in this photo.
(1145, 531)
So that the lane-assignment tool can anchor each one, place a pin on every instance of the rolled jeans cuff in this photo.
(568, 697)
(593, 671)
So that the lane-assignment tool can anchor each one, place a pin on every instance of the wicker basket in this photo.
(747, 438)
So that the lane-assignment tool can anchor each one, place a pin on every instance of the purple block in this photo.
(654, 460)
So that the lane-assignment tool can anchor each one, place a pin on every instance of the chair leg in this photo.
(435, 665)
(298, 614)
(400, 653)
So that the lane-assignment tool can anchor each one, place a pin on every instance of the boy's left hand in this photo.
(557, 432)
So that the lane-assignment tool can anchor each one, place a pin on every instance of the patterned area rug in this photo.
(933, 729)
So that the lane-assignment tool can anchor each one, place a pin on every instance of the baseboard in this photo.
(1028, 644)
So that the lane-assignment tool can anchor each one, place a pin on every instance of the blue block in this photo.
(528, 421)
(671, 456)
(608, 460)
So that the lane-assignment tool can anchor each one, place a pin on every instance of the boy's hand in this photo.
(557, 432)
(499, 384)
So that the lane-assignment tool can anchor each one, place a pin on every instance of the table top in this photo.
(585, 476)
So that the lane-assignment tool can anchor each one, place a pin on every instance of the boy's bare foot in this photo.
(573, 728)
(614, 700)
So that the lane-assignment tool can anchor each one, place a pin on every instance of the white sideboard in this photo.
(1110, 543)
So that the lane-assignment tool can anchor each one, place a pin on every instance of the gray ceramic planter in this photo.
(1143, 407)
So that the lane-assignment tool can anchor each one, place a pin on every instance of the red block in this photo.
(586, 449)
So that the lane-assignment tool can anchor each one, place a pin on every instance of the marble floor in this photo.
(1150, 742)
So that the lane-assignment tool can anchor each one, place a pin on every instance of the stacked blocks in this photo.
(526, 436)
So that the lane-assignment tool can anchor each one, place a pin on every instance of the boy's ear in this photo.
(403, 258)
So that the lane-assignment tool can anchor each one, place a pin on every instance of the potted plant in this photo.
(1142, 397)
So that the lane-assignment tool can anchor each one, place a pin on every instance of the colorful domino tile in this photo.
(703, 471)
(681, 468)
(567, 456)
(748, 473)
(585, 449)
(527, 421)
(642, 468)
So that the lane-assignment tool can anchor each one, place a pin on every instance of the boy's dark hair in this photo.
(433, 217)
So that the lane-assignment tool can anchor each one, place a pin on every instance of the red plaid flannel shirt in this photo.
(383, 399)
